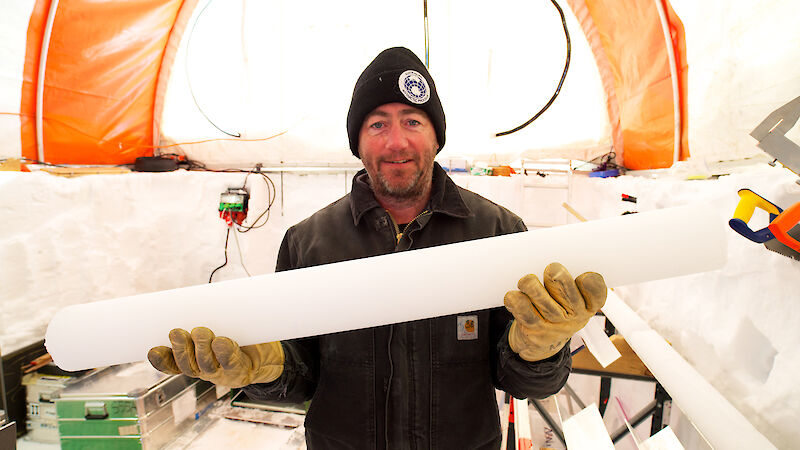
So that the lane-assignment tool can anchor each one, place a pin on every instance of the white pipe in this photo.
(673, 70)
(722, 425)
(393, 288)
(48, 29)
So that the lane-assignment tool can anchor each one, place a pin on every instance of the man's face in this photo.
(397, 144)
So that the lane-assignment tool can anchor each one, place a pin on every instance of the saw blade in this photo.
(771, 135)
(779, 247)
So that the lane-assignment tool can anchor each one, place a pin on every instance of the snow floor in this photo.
(68, 241)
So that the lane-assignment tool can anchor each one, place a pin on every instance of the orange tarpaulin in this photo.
(30, 74)
(628, 42)
(102, 68)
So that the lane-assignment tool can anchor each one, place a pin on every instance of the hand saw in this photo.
(782, 235)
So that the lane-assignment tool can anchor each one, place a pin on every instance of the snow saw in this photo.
(782, 235)
(771, 135)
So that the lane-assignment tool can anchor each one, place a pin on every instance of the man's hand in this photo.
(547, 316)
(219, 360)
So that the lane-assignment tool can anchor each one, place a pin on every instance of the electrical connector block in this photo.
(233, 205)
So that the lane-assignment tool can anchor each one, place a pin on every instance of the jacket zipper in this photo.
(399, 234)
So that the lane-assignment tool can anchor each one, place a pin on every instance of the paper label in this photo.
(467, 328)
(184, 406)
(221, 390)
(129, 430)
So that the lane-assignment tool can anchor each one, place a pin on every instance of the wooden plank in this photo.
(11, 165)
(629, 363)
(71, 172)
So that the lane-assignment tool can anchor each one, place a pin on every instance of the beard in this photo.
(413, 187)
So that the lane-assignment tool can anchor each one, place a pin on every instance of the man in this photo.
(422, 384)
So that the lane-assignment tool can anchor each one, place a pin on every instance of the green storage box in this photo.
(130, 406)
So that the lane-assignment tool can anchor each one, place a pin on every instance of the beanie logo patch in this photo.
(414, 87)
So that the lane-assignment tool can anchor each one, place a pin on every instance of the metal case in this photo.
(130, 406)
(42, 420)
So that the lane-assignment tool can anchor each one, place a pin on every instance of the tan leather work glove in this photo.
(546, 317)
(219, 360)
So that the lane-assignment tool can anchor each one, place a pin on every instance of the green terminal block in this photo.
(234, 199)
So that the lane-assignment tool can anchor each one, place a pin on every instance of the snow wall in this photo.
(74, 240)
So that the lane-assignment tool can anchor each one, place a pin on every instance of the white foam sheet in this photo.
(586, 431)
(390, 288)
(722, 425)
(663, 440)
(599, 344)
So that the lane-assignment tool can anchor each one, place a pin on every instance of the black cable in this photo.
(271, 196)
(189, 80)
(227, 235)
(606, 161)
(425, 24)
(195, 165)
(560, 82)
(3, 388)
(388, 388)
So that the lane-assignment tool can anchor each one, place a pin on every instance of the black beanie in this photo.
(396, 75)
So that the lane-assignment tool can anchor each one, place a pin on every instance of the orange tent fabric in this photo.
(678, 36)
(628, 42)
(108, 60)
(100, 83)
(30, 74)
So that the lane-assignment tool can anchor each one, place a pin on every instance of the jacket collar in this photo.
(445, 196)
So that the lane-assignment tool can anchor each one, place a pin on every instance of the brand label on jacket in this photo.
(467, 328)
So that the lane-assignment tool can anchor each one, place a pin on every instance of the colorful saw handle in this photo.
(748, 202)
(785, 221)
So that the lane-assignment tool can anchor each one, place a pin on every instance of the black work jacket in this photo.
(422, 384)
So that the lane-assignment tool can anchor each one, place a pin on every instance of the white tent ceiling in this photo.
(261, 68)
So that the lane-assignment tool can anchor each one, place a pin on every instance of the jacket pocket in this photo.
(343, 403)
(464, 408)
(463, 404)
